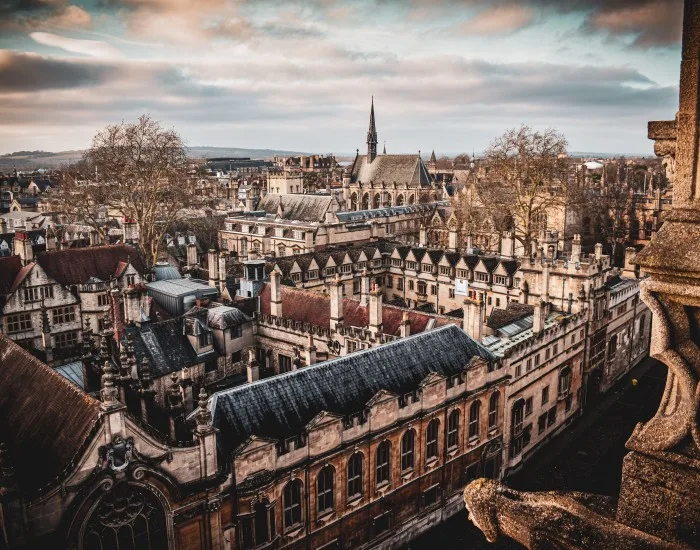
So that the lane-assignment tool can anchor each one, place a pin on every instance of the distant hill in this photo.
(26, 160)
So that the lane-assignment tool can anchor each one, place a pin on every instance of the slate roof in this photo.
(282, 406)
(166, 347)
(10, 266)
(390, 169)
(314, 308)
(76, 266)
(44, 419)
(308, 208)
(499, 318)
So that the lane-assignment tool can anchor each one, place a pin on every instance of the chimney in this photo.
(3, 226)
(132, 307)
(275, 294)
(249, 202)
(222, 270)
(598, 251)
(508, 245)
(470, 243)
(22, 246)
(213, 266)
(310, 351)
(423, 236)
(473, 318)
(538, 321)
(191, 254)
(375, 310)
(117, 315)
(405, 325)
(253, 370)
(452, 239)
(576, 249)
(336, 290)
(364, 288)
(630, 269)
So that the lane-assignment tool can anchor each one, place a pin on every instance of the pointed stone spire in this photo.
(433, 160)
(146, 391)
(108, 393)
(175, 404)
(371, 136)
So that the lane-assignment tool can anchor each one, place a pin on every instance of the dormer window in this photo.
(205, 339)
(482, 277)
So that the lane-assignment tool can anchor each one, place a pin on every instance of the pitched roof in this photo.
(514, 311)
(314, 308)
(10, 266)
(308, 208)
(76, 266)
(389, 169)
(44, 419)
(281, 406)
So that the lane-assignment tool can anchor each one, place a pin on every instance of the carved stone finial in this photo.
(108, 393)
(203, 415)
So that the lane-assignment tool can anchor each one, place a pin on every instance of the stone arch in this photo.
(365, 201)
(377, 202)
(399, 200)
(411, 199)
(353, 201)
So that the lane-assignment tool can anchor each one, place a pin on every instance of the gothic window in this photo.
(431, 439)
(127, 518)
(353, 201)
(518, 416)
(564, 381)
(453, 429)
(377, 201)
(407, 446)
(324, 490)
(365, 201)
(355, 476)
(292, 503)
(399, 200)
(493, 409)
(382, 462)
(474, 411)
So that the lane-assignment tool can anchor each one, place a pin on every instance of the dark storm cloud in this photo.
(20, 72)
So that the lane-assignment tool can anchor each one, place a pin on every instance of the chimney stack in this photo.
(364, 289)
(213, 267)
(310, 351)
(275, 294)
(222, 270)
(336, 290)
(405, 325)
(375, 310)
(472, 323)
(452, 239)
(576, 249)
(191, 254)
(132, 306)
(630, 269)
(508, 245)
(252, 369)
(423, 236)
(598, 251)
(538, 322)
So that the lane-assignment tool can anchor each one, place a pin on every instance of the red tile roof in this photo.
(314, 308)
(76, 266)
(44, 419)
(10, 266)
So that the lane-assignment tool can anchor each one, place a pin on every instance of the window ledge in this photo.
(452, 451)
(326, 516)
(382, 488)
(407, 474)
(431, 462)
(292, 532)
(354, 501)
(473, 441)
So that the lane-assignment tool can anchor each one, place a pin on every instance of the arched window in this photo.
(642, 321)
(408, 442)
(493, 409)
(377, 203)
(474, 411)
(411, 199)
(127, 517)
(518, 415)
(612, 346)
(353, 201)
(564, 381)
(292, 503)
(431, 439)
(383, 463)
(325, 490)
(281, 251)
(399, 200)
(355, 476)
(453, 429)
(365, 201)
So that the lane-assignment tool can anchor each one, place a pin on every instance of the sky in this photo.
(446, 75)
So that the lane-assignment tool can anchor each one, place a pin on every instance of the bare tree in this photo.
(528, 173)
(137, 170)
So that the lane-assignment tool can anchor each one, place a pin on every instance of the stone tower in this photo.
(371, 136)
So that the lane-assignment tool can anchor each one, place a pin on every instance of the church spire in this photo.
(371, 136)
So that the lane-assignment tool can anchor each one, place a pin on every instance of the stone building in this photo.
(657, 506)
(378, 181)
(367, 450)
(50, 299)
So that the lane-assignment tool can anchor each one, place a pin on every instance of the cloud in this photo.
(93, 48)
(22, 72)
(22, 15)
(500, 20)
